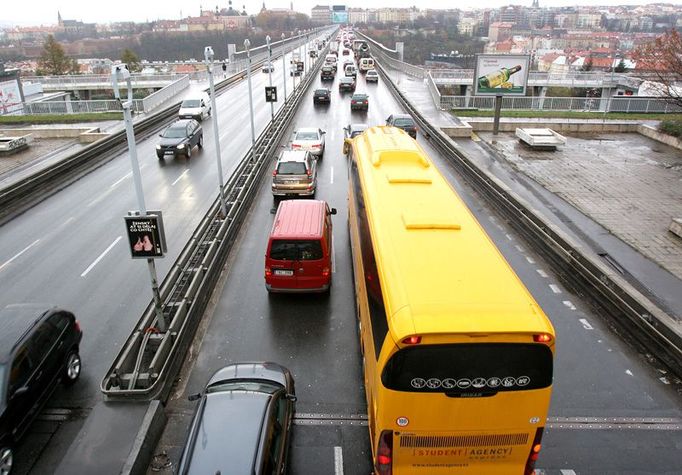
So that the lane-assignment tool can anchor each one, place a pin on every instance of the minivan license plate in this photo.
(284, 272)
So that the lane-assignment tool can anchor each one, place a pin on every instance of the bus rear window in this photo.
(295, 250)
(469, 369)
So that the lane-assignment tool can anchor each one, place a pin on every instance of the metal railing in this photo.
(150, 102)
(576, 104)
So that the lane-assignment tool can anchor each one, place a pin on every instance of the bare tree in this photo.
(54, 61)
(662, 58)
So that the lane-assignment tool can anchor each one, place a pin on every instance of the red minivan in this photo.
(299, 253)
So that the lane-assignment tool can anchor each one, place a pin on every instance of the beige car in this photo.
(295, 174)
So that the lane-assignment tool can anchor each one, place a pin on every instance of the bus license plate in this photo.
(284, 272)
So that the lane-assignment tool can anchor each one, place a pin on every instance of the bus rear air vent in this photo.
(395, 179)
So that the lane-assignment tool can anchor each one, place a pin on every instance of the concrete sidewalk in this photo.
(614, 193)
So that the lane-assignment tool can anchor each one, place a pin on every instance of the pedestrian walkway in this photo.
(627, 183)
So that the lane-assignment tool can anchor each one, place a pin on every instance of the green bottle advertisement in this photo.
(498, 78)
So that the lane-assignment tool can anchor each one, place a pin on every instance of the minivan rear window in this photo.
(191, 103)
(298, 250)
(467, 369)
(291, 168)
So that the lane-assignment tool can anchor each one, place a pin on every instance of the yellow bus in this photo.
(458, 356)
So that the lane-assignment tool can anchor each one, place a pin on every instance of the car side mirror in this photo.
(332, 211)
(194, 397)
(160, 135)
(322, 132)
(292, 397)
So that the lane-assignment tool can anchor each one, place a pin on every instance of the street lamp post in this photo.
(208, 59)
(119, 72)
(300, 50)
(284, 67)
(272, 104)
(247, 45)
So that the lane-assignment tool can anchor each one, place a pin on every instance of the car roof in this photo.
(402, 116)
(229, 432)
(359, 94)
(15, 321)
(292, 156)
(180, 123)
(373, 71)
(299, 219)
(322, 89)
(346, 79)
(359, 127)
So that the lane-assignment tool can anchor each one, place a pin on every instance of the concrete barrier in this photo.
(83, 134)
(676, 227)
(652, 133)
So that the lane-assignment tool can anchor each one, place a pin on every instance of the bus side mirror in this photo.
(332, 211)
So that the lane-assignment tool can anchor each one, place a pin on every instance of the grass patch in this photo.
(527, 114)
(59, 118)
(671, 127)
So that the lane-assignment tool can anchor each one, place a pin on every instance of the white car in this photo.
(372, 76)
(309, 139)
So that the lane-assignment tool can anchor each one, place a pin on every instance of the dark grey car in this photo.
(179, 138)
(38, 349)
(242, 423)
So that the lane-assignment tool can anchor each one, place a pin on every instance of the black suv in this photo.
(38, 348)
(179, 138)
(322, 96)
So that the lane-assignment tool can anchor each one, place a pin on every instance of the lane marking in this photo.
(628, 372)
(101, 256)
(19, 254)
(569, 304)
(180, 177)
(508, 236)
(542, 273)
(519, 248)
(338, 461)
(332, 179)
(117, 182)
(586, 324)
(555, 288)
(530, 260)
(568, 472)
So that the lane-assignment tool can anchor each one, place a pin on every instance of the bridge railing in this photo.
(577, 104)
(162, 95)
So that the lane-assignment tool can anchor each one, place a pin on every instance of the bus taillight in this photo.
(542, 338)
(412, 340)
(534, 452)
(384, 463)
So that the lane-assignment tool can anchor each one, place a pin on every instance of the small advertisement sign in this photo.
(501, 74)
(270, 94)
(146, 236)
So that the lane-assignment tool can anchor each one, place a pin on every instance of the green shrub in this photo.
(671, 127)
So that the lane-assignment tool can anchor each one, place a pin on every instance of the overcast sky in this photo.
(44, 12)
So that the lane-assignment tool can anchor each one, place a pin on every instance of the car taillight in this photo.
(317, 145)
(295, 145)
(274, 173)
(77, 325)
(268, 272)
(384, 462)
(542, 338)
(309, 173)
(353, 102)
(325, 272)
(412, 340)
(534, 452)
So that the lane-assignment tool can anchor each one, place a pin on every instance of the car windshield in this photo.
(307, 136)
(191, 103)
(359, 97)
(403, 122)
(243, 385)
(174, 132)
(291, 168)
(348, 80)
(321, 92)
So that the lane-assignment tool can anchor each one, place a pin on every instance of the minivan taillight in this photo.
(534, 452)
(274, 173)
(268, 272)
(325, 272)
(384, 462)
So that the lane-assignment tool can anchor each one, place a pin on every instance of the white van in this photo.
(350, 71)
(366, 64)
(196, 107)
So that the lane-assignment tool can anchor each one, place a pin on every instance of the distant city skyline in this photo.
(44, 12)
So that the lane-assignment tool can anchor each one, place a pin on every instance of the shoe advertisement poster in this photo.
(501, 74)
(146, 236)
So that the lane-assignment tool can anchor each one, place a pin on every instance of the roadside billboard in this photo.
(10, 97)
(501, 74)
(339, 14)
